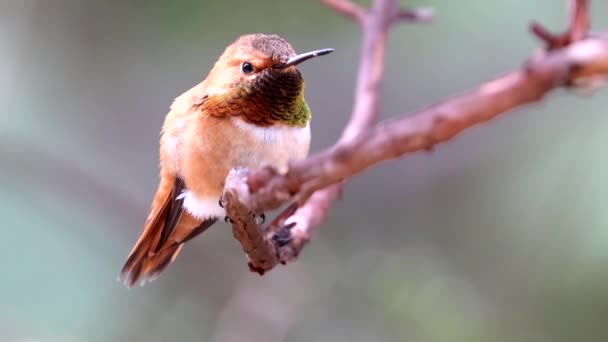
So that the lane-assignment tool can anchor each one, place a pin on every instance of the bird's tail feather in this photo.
(167, 228)
(154, 251)
(146, 265)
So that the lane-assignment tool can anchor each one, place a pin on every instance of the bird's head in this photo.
(257, 76)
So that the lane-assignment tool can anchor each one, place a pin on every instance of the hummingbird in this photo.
(248, 112)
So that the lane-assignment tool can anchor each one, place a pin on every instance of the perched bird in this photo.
(249, 111)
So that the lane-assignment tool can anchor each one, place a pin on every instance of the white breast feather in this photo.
(201, 208)
(278, 134)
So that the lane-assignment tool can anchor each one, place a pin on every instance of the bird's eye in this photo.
(247, 68)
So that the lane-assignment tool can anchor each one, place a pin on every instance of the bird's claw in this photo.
(221, 203)
(283, 236)
(260, 218)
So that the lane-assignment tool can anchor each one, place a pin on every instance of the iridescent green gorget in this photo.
(274, 96)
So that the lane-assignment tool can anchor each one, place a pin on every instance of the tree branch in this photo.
(578, 26)
(419, 15)
(317, 181)
(347, 8)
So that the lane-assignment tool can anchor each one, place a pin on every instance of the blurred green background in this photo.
(500, 235)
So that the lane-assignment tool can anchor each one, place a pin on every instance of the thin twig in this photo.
(418, 15)
(365, 112)
(347, 8)
(579, 20)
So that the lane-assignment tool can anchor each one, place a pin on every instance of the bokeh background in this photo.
(500, 235)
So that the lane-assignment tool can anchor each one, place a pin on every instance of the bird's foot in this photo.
(260, 218)
(226, 218)
(283, 236)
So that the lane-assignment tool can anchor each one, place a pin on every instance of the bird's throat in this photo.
(272, 97)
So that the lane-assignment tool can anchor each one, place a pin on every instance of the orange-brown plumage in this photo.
(240, 115)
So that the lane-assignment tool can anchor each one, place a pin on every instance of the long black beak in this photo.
(295, 60)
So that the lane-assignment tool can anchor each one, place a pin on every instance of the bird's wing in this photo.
(173, 211)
